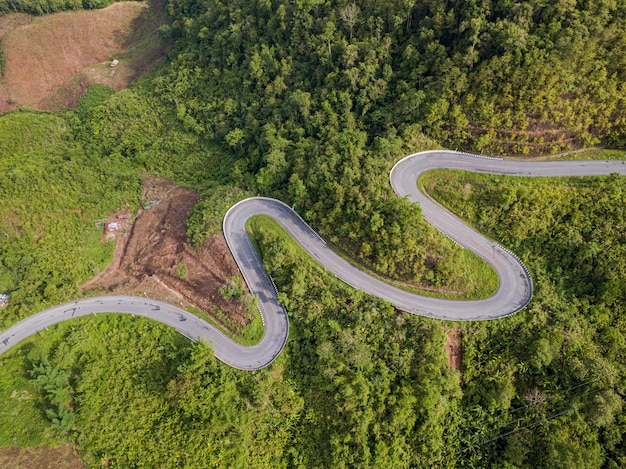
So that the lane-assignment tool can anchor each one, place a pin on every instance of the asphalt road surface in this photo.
(515, 284)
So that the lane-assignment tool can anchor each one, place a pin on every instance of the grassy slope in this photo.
(57, 174)
(52, 191)
(54, 59)
(596, 154)
(23, 423)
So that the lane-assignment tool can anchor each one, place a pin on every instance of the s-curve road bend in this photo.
(236, 355)
(513, 294)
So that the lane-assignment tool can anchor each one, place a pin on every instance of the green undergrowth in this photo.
(360, 366)
(61, 172)
(250, 334)
(176, 402)
(23, 405)
(262, 227)
(493, 203)
(23, 422)
(52, 190)
(475, 279)
(552, 377)
(480, 279)
(205, 218)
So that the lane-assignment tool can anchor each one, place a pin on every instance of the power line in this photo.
(534, 423)
(526, 406)
(553, 393)
(545, 419)
(564, 402)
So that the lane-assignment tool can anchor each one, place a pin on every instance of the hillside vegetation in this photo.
(312, 102)
(361, 384)
(555, 373)
(59, 173)
(51, 192)
(318, 99)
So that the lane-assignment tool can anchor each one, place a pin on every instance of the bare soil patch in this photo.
(148, 259)
(454, 348)
(10, 22)
(51, 61)
(40, 457)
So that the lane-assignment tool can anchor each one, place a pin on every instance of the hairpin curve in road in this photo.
(514, 291)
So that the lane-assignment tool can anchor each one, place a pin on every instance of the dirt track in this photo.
(454, 348)
(40, 457)
(147, 259)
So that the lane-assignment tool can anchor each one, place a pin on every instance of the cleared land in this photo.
(148, 259)
(51, 61)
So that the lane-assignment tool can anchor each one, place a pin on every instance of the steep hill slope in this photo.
(51, 61)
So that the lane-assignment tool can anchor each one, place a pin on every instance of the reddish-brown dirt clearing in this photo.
(454, 349)
(153, 259)
(40, 457)
(51, 61)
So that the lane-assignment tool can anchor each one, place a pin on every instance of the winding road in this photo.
(515, 283)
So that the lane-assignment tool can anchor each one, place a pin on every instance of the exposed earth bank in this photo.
(153, 259)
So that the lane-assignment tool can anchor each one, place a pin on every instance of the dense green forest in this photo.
(312, 102)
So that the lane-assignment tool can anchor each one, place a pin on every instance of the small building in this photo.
(4, 299)
(111, 226)
(114, 62)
